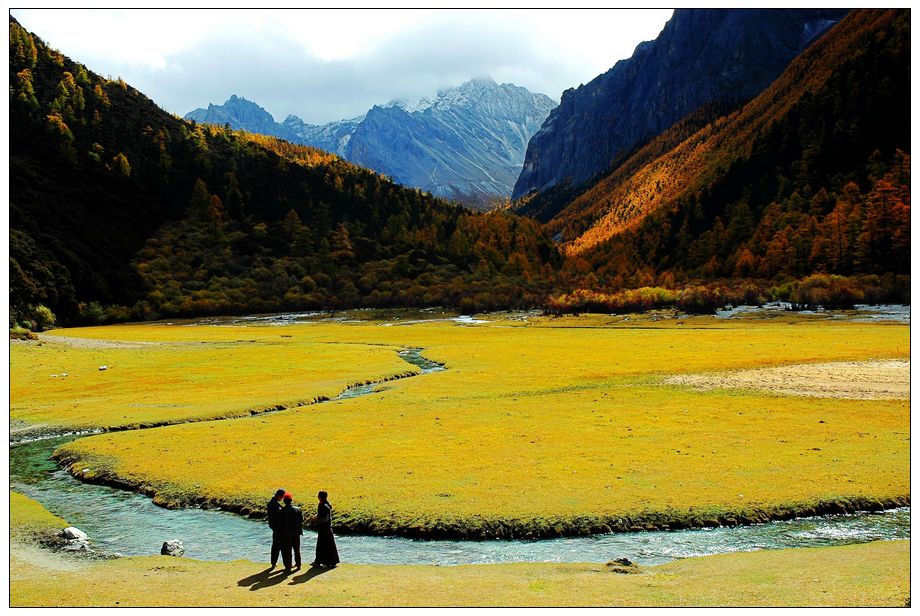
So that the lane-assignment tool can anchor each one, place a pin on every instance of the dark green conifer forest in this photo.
(119, 210)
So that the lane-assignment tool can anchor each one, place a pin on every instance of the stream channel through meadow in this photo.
(127, 523)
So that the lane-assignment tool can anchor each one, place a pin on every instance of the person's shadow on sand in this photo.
(308, 575)
(264, 579)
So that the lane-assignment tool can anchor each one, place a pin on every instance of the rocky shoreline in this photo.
(73, 543)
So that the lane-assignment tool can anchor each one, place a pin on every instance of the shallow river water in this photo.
(120, 521)
(130, 524)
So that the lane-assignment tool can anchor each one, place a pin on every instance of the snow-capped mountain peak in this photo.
(465, 143)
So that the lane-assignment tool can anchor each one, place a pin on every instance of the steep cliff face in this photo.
(700, 57)
(810, 176)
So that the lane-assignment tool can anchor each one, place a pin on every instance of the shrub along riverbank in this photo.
(818, 290)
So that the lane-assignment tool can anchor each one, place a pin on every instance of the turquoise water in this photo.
(128, 523)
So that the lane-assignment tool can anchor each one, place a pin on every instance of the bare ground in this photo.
(36, 556)
(856, 380)
(91, 343)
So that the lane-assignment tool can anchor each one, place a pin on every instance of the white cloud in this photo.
(330, 64)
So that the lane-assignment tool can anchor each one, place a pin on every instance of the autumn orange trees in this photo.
(812, 176)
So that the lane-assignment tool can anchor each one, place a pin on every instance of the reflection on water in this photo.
(120, 521)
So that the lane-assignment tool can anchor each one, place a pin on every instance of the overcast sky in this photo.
(325, 65)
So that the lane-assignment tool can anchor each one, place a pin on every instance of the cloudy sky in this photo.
(325, 65)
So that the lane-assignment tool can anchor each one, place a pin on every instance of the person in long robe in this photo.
(274, 511)
(327, 555)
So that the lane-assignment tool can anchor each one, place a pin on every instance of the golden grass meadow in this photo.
(537, 428)
(212, 375)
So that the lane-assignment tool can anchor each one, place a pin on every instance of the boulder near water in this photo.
(72, 532)
(172, 547)
(75, 540)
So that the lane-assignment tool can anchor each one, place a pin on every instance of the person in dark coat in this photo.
(292, 526)
(274, 511)
(327, 555)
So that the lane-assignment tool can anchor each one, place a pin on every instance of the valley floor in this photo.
(582, 425)
(536, 427)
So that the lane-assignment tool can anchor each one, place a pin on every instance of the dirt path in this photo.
(854, 380)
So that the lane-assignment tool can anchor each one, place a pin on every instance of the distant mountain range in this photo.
(701, 57)
(466, 144)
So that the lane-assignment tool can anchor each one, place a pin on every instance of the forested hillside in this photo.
(120, 210)
(812, 176)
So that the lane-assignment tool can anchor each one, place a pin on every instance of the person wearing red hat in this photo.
(292, 527)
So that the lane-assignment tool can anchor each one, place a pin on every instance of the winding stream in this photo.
(130, 524)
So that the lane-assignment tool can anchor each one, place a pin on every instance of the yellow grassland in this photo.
(30, 521)
(193, 374)
(546, 427)
(873, 574)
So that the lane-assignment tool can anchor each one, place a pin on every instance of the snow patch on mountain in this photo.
(465, 143)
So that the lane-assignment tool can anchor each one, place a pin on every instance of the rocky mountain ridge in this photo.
(466, 143)
(701, 57)
(809, 178)
(241, 114)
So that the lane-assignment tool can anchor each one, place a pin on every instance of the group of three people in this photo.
(286, 523)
